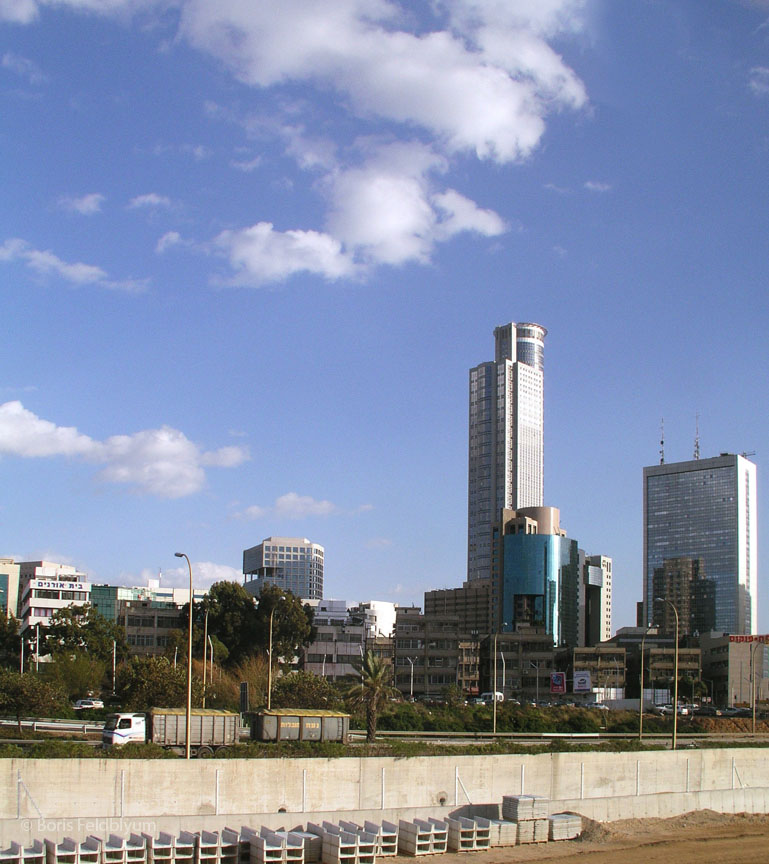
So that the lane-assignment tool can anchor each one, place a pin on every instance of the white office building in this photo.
(506, 437)
(291, 563)
(704, 510)
(46, 587)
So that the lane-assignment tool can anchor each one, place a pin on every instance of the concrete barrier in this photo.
(57, 798)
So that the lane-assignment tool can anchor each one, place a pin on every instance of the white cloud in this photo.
(168, 240)
(161, 462)
(462, 214)
(758, 82)
(481, 79)
(204, 575)
(388, 211)
(45, 263)
(246, 165)
(18, 11)
(87, 205)
(151, 199)
(293, 506)
(485, 87)
(597, 186)
(253, 512)
(260, 254)
(22, 66)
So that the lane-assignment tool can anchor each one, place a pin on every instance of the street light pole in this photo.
(411, 690)
(675, 672)
(189, 663)
(494, 693)
(753, 679)
(641, 700)
(205, 648)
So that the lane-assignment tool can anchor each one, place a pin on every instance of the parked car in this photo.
(662, 710)
(708, 711)
(84, 704)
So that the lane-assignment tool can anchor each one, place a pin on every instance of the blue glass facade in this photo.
(700, 510)
(540, 584)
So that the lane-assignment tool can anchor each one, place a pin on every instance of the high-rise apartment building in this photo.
(705, 510)
(595, 600)
(506, 437)
(291, 563)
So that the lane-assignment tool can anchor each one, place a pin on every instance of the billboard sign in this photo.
(557, 682)
(582, 682)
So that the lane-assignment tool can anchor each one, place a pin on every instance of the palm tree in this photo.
(374, 691)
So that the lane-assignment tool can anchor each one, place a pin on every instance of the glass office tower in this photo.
(506, 437)
(706, 509)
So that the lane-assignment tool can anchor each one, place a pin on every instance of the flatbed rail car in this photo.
(300, 724)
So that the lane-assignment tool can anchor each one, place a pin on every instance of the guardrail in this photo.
(51, 725)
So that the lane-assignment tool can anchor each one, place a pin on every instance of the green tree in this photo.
(292, 622)
(232, 620)
(304, 690)
(83, 628)
(373, 692)
(146, 682)
(10, 642)
(77, 673)
(28, 694)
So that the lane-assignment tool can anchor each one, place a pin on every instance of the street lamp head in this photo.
(178, 554)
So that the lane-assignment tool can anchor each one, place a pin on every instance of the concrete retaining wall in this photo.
(75, 797)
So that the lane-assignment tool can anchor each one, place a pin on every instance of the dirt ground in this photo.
(694, 838)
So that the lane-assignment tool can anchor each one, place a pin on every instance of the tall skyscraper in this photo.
(292, 563)
(506, 440)
(705, 510)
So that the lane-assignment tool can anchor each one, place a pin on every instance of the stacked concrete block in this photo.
(414, 838)
(65, 852)
(440, 840)
(276, 847)
(160, 849)
(186, 848)
(208, 848)
(517, 808)
(462, 834)
(136, 849)
(368, 841)
(339, 847)
(422, 838)
(502, 832)
(482, 832)
(313, 845)
(564, 826)
(18, 854)
(235, 847)
(387, 833)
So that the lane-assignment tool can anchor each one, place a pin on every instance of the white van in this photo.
(492, 697)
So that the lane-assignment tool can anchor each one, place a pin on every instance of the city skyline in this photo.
(243, 279)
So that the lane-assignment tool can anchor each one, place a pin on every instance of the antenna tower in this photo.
(697, 435)
(662, 441)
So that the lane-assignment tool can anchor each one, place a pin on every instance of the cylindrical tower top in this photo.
(530, 345)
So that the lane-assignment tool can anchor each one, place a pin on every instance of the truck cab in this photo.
(121, 728)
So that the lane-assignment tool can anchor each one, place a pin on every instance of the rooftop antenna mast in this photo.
(662, 441)
(697, 435)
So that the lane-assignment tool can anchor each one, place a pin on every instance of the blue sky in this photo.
(248, 253)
